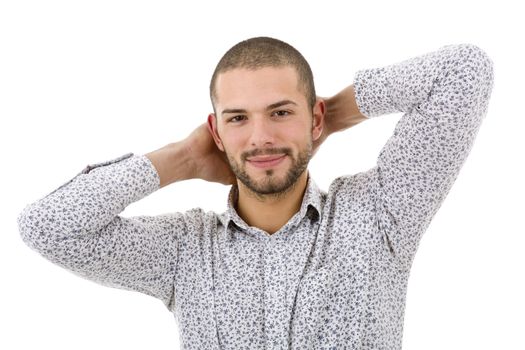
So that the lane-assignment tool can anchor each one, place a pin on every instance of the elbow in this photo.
(35, 230)
(28, 227)
(477, 61)
(43, 233)
(482, 68)
(470, 80)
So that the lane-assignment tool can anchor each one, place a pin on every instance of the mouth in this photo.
(266, 161)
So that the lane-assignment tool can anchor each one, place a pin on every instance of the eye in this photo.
(281, 113)
(237, 119)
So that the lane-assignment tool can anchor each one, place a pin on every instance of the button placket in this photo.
(275, 293)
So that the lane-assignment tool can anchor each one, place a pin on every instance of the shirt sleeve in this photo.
(78, 227)
(444, 96)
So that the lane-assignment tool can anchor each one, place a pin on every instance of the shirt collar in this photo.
(311, 204)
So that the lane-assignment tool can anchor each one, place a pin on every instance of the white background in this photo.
(87, 81)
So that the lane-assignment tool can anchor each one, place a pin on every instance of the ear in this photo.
(319, 113)
(212, 128)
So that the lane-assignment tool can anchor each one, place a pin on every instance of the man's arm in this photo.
(341, 113)
(195, 157)
(78, 225)
(444, 95)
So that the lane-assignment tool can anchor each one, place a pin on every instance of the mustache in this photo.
(265, 151)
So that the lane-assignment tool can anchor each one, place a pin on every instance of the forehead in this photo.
(243, 87)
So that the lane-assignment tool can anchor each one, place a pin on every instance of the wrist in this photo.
(342, 111)
(172, 163)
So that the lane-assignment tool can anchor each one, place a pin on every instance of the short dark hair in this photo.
(260, 52)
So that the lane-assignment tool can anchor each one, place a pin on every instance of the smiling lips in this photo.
(266, 161)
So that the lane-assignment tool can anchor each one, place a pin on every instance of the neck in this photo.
(271, 212)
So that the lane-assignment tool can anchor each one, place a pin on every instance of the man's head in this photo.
(265, 114)
(260, 52)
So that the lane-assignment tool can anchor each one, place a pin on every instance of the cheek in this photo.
(231, 141)
(299, 133)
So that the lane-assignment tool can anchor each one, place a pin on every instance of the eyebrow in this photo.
(269, 107)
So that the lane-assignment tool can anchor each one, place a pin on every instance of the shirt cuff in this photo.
(372, 87)
(129, 162)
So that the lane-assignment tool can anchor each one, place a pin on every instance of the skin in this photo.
(266, 129)
(244, 140)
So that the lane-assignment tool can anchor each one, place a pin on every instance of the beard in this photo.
(271, 184)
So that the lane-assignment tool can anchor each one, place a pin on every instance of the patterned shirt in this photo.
(334, 276)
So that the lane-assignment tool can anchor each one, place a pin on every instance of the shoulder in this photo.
(362, 182)
(354, 193)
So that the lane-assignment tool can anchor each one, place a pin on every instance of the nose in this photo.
(262, 133)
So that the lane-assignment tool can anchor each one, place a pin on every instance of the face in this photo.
(265, 127)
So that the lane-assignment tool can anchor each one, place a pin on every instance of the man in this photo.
(286, 265)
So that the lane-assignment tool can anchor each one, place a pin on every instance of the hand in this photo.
(208, 162)
(195, 157)
(341, 112)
